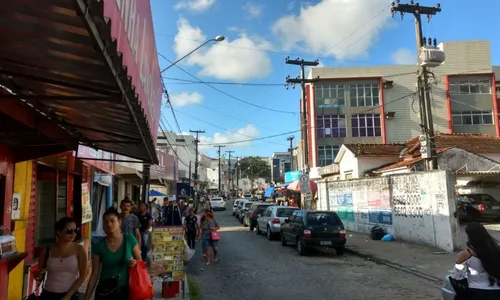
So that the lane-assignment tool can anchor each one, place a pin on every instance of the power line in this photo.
(227, 94)
(188, 81)
(223, 128)
(251, 140)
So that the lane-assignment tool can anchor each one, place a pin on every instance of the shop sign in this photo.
(167, 254)
(167, 167)
(106, 165)
(132, 27)
(86, 205)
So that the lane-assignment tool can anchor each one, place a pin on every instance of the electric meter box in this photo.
(431, 57)
(8, 245)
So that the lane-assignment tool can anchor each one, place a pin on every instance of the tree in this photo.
(254, 167)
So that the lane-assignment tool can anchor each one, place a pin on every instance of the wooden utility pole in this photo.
(422, 79)
(290, 139)
(302, 80)
(230, 174)
(220, 171)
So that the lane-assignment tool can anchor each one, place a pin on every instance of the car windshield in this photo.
(261, 208)
(248, 204)
(240, 205)
(284, 212)
(322, 219)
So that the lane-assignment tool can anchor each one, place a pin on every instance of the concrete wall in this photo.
(416, 207)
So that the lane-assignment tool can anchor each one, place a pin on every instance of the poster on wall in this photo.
(167, 254)
(16, 207)
(86, 205)
(183, 190)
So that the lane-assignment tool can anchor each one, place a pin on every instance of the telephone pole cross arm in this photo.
(423, 86)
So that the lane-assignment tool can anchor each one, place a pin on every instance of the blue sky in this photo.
(260, 34)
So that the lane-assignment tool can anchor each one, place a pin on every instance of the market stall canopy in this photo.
(155, 193)
(78, 65)
(295, 186)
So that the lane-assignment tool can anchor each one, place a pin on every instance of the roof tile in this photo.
(470, 142)
(375, 149)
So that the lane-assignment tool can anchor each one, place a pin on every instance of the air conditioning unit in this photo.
(431, 57)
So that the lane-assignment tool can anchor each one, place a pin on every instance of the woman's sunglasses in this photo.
(72, 231)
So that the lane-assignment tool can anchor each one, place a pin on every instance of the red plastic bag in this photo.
(139, 282)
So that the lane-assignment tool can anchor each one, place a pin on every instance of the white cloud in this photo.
(184, 99)
(243, 134)
(195, 5)
(332, 27)
(404, 57)
(253, 10)
(229, 60)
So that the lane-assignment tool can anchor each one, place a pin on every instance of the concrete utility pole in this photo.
(236, 171)
(196, 164)
(290, 139)
(302, 80)
(423, 73)
(220, 171)
(230, 172)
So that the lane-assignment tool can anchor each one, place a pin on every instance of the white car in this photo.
(235, 205)
(218, 203)
(247, 196)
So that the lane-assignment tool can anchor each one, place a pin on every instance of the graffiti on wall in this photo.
(346, 214)
(407, 197)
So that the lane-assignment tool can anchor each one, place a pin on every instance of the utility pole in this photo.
(189, 177)
(302, 80)
(220, 171)
(230, 172)
(236, 171)
(423, 73)
(290, 139)
(196, 164)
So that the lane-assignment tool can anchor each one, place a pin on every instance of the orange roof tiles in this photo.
(375, 149)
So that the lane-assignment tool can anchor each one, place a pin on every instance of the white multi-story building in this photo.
(181, 146)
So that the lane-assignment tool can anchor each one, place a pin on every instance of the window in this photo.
(366, 125)
(468, 87)
(364, 95)
(330, 126)
(284, 212)
(326, 154)
(299, 218)
(330, 95)
(323, 219)
(464, 118)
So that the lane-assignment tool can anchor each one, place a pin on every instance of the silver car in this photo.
(235, 205)
(272, 219)
(447, 290)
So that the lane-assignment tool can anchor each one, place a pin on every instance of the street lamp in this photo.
(216, 39)
(290, 139)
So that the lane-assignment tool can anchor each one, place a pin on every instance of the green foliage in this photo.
(194, 290)
(255, 167)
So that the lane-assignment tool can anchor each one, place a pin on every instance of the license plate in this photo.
(325, 243)
(495, 207)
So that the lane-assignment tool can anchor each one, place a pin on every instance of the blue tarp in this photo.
(269, 191)
(154, 193)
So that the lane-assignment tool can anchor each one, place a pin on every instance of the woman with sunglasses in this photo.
(65, 264)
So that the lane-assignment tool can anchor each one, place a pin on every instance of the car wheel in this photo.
(269, 233)
(301, 248)
(283, 241)
(340, 251)
(257, 230)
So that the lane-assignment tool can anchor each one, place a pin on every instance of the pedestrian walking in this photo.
(477, 270)
(130, 223)
(64, 263)
(208, 228)
(111, 258)
(191, 228)
(146, 221)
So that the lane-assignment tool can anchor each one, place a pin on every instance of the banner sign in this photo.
(86, 205)
(167, 254)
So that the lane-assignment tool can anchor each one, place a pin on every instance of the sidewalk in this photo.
(157, 288)
(423, 261)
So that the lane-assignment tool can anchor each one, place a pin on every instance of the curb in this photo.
(394, 266)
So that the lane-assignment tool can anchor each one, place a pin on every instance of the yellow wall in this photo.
(22, 185)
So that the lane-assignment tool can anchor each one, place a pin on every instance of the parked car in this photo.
(238, 208)
(447, 290)
(246, 206)
(307, 229)
(255, 211)
(478, 207)
(272, 219)
(218, 203)
(235, 205)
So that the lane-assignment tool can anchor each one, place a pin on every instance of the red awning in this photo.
(59, 58)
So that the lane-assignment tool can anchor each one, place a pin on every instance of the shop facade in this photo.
(83, 79)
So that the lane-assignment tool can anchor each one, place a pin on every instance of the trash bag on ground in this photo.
(139, 281)
(377, 233)
(387, 238)
(188, 252)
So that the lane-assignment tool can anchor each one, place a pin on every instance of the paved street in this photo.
(251, 267)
